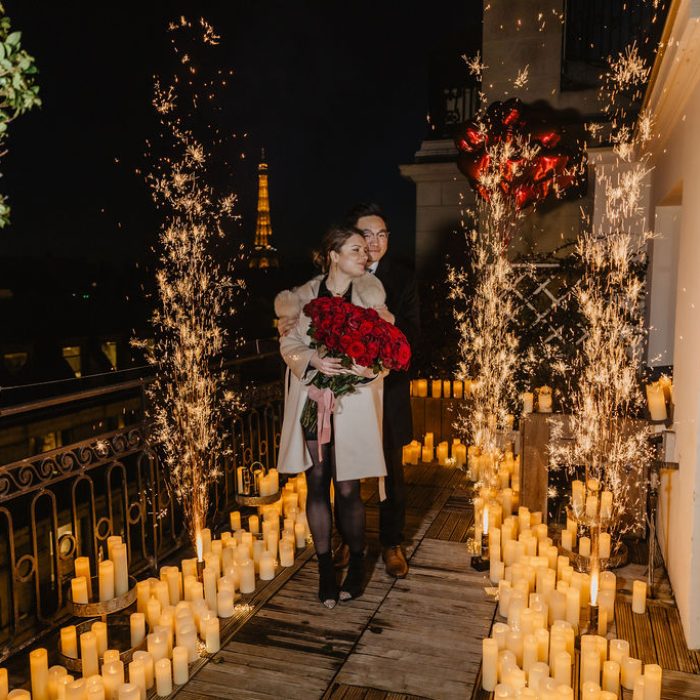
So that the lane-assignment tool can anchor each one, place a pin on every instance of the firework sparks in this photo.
(189, 398)
(606, 441)
(474, 64)
(522, 77)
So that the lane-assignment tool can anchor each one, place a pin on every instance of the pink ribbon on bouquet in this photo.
(325, 405)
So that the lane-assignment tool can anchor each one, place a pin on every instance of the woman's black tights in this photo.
(350, 508)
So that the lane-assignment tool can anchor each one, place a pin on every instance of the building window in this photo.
(71, 354)
(109, 348)
(15, 361)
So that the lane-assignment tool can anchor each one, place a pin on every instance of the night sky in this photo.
(336, 92)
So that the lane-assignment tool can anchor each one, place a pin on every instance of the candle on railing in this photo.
(121, 569)
(436, 388)
(656, 401)
(457, 389)
(106, 580)
(69, 641)
(528, 402)
(82, 568)
(79, 590)
(100, 630)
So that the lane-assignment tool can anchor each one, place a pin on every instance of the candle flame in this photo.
(595, 575)
(200, 546)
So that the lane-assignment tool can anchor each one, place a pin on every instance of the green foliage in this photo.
(18, 91)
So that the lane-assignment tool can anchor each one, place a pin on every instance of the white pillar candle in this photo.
(88, 653)
(300, 535)
(528, 401)
(148, 666)
(590, 691)
(435, 388)
(611, 677)
(567, 540)
(652, 682)
(267, 569)
(111, 541)
(604, 545)
(106, 580)
(638, 691)
(76, 690)
(111, 655)
(514, 643)
(181, 672)
(421, 388)
(590, 667)
(69, 642)
(538, 672)
(573, 606)
(606, 601)
(55, 674)
(137, 625)
(39, 670)
(20, 694)
(457, 389)
(210, 577)
(129, 691)
(157, 645)
(619, 650)
(542, 637)
(213, 635)
(639, 597)
(489, 668)
(96, 692)
(529, 652)
(79, 590)
(121, 569)
(206, 540)
(82, 568)
(235, 520)
(584, 546)
(137, 676)
(562, 668)
(606, 502)
(113, 677)
(247, 576)
(160, 591)
(286, 554)
(630, 670)
(187, 637)
(557, 606)
(153, 610)
(100, 630)
(164, 678)
(143, 594)
(605, 695)
(224, 602)
(656, 401)
(173, 581)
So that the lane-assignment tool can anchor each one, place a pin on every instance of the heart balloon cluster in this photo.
(537, 164)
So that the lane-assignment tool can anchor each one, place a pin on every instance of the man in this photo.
(402, 310)
(402, 303)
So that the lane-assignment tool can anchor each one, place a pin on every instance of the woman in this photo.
(355, 451)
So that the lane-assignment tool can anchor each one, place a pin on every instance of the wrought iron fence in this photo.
(64, 503)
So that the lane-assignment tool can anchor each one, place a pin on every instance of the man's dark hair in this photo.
(364, 209)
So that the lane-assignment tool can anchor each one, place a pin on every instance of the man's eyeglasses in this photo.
(382, 235)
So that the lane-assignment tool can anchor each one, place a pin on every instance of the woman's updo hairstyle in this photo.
(333, 240)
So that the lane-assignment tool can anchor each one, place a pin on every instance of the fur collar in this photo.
(367, 291)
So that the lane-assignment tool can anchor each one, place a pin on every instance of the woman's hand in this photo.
(285, 324)
(385, 314)
(360, 371)
(327, 365)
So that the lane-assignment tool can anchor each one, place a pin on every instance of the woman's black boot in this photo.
(352, 586)
(327, 584)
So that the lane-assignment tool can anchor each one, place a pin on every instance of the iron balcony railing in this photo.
(65, 502)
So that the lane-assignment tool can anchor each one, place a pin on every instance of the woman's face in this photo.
(352, 257)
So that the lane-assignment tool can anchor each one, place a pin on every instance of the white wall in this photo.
(678, 161)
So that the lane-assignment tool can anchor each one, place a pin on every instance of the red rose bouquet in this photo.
(357, 336)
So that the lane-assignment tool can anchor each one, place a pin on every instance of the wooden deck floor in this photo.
(419, 637)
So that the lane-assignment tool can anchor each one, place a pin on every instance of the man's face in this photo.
(377, 237)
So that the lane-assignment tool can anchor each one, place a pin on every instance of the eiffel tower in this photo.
(264, 255)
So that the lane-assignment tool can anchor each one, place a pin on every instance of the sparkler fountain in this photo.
(189, 397)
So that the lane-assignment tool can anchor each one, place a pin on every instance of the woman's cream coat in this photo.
(357, 421)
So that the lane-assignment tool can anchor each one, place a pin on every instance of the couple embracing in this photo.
(358, 430)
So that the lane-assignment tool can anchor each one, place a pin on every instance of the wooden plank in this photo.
(665, 651)
(625, 625)
(646, 648)
(687, 660)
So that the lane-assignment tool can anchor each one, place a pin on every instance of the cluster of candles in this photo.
(591, 508)
(426, 451)
(541, 598)
(177, 615)
(659, 396)
(544, 400)
(503, 467)
(442, 388)
(256, 482)
(113, 575)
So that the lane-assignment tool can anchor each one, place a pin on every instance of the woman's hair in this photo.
(334, 239)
